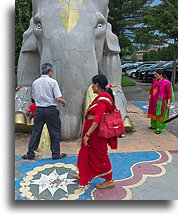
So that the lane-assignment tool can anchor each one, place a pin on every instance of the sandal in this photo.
(158, 132)
(62, 155)
(150, 127)
(25, 157)
(105, 185)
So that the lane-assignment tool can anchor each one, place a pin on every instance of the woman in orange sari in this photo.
(93, 160)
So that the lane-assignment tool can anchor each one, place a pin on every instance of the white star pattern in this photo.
(53, 182)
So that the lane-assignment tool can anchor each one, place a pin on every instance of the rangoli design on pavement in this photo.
(51, 182)
(47, 179)
(144, 106)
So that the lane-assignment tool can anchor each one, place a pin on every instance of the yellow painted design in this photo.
(71, 2)
(69, 14)
(45, 141)
(59, 164)
(89, 97)
(69, 17)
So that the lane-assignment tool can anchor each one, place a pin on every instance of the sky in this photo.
(156, 2)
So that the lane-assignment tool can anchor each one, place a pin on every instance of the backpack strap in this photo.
(105, 98)
(92, 106)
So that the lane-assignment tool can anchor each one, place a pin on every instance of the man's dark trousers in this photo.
(50, 116)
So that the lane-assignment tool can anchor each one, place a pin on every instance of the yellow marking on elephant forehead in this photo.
(71, 2)
(69, 14)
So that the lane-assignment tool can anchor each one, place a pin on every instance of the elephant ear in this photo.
(29, 60)
(110, 65)
(111, 44)
(29, 40)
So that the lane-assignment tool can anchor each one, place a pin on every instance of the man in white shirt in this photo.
(46, 93)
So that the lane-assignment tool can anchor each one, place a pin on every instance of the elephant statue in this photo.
(75, 37)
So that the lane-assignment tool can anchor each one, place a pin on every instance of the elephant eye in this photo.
(99, 26)
(38, 25)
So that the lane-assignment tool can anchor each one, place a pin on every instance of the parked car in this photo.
(135, 65)
(138, 70)
(151, 68)
(124, 62)
(132, 68)
(168, 71)
(149, 75)
(167, 68)
(126, 66)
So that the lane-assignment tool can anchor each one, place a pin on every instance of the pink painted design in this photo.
(140, 170)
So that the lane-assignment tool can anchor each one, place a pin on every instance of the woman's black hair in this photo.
(161, 72)
(32, 100)
(102, 81)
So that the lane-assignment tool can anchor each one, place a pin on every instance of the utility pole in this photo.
(175, 61)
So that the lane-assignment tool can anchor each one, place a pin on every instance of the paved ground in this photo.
(165, 186)
(145, 166)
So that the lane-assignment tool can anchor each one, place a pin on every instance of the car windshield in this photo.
(169, 64)
(144, 66)
(157, 65)
(127, 64)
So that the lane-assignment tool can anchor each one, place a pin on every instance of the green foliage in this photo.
(145, 56)
(23, 13)
(159, 23)
(152, 56)
(126, 81)
(164, 18)
(134, 57)
(146, 36)
(165, 54)
(124, 15)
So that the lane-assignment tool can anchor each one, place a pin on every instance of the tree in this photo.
(23, 13)
(162, 54)
(124, 15)
(134, 57)
(166, 53)
(153, 55)
(161, 24)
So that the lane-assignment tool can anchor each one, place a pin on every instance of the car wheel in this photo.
(133, 75)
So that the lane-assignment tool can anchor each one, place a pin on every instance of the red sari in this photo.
(93, 160)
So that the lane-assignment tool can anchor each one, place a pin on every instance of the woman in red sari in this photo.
(93, 160)
(160, 97)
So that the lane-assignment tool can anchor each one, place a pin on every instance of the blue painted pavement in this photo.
(121, 163)
(144, 106)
